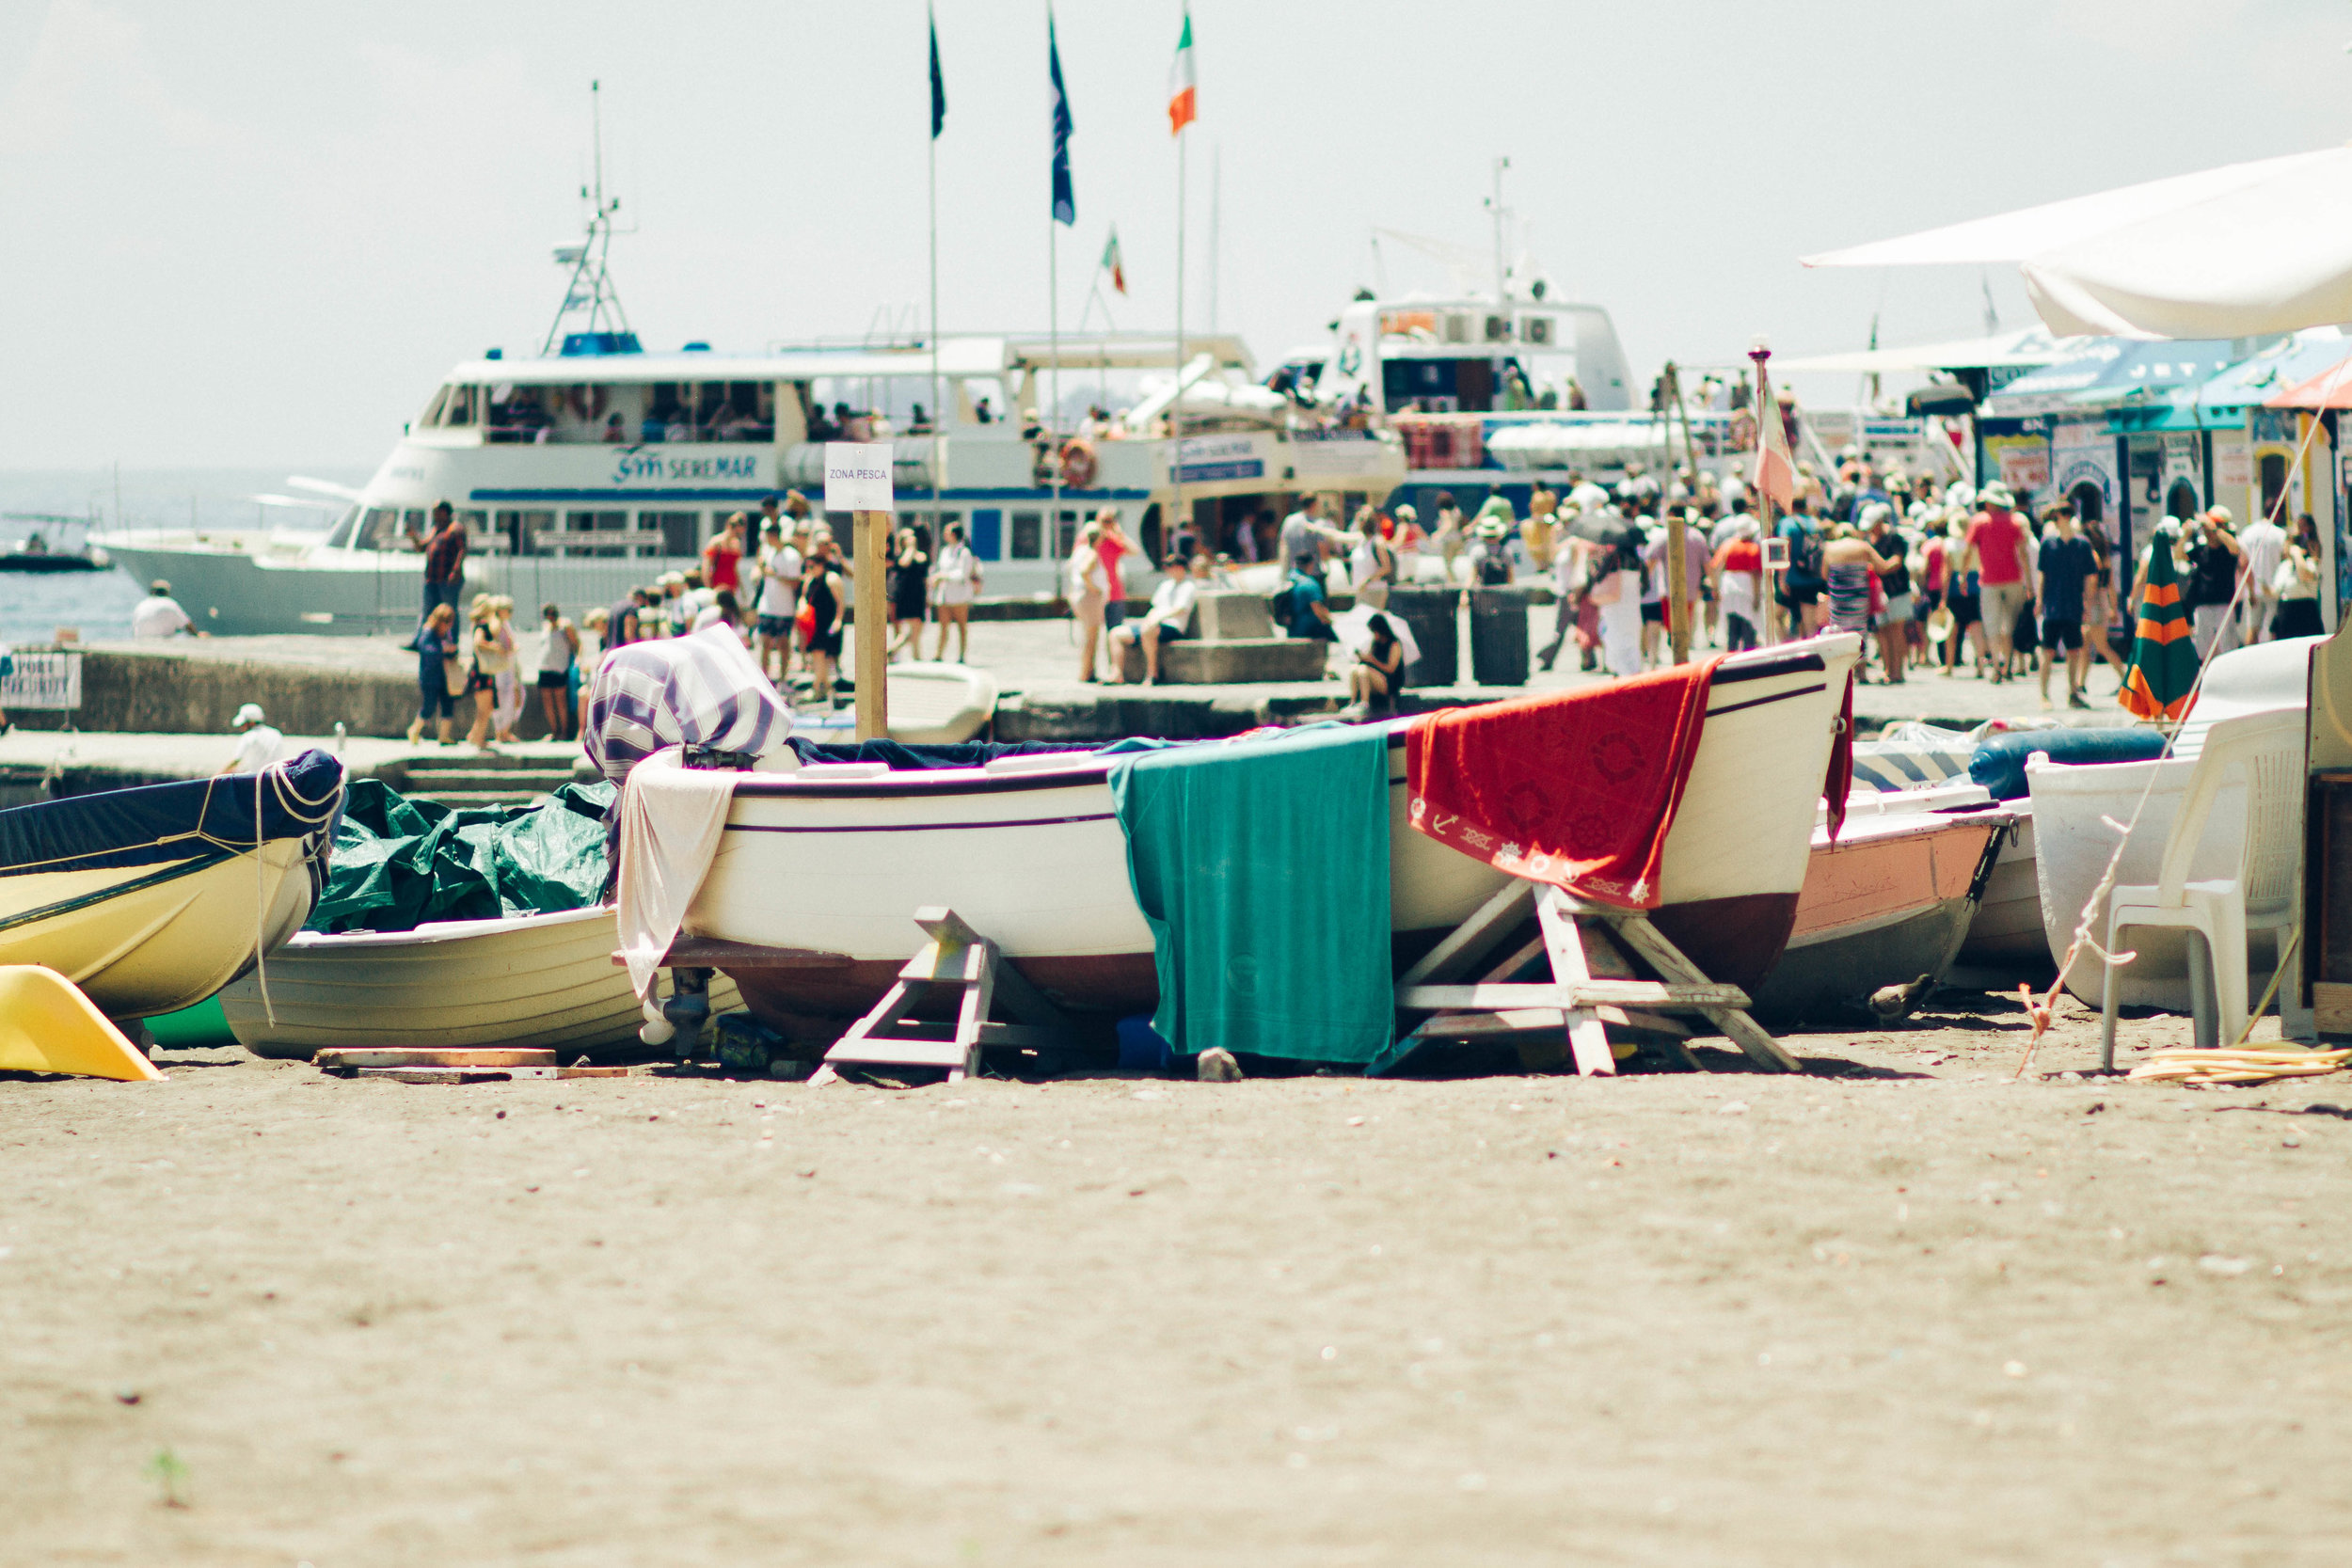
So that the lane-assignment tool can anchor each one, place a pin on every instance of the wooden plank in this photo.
(431, 1055)
(1761, 1048)
(1468, 942)
(2331, 1006)
(897, 1053)
(445, 1074)
(870, 636)
(1588, 1042)
(1582, 994)
(1507, 1020)
(1651, 945)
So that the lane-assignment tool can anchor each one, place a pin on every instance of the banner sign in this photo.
(42, 682)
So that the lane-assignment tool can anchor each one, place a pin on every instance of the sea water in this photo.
(34, 605)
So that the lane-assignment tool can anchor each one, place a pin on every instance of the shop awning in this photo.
(2330, 389)
(2114, 371)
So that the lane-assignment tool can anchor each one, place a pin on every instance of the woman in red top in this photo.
(1110, 546)
(722, 557)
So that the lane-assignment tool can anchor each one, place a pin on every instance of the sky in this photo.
(259, 235)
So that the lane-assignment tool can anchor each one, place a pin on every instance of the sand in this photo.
(1900, 1310)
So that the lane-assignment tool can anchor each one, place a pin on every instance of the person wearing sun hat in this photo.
(258, 745)
(2000, 549)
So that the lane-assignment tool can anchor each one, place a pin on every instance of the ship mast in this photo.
(590, 288)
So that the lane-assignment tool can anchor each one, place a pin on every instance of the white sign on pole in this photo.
(857, 476)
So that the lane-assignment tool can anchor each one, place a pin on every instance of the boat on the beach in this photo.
(1888, 902)
(151, 899)
(2073, 805)
(833, 859)
(531, 981)
(931, 705)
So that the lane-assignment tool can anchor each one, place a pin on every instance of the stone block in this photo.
(1235, 663)
(1227, 616)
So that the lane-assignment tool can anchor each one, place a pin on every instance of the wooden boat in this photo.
(1891, 898)
(539, 980)
(833, 859)
(151, 899)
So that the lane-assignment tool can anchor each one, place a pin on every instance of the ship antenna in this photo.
(590, 286)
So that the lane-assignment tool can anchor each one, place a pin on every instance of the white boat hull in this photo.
(153, 939)
(541, 981)
(1030, 852)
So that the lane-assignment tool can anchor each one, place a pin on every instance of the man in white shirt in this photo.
(160, 615)
(779, 600)
(1169, 619)
(2261, 545)
(258, 745)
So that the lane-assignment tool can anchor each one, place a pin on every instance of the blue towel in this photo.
(1263, 868)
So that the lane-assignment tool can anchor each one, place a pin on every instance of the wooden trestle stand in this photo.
(1592, 985)
(957, 965)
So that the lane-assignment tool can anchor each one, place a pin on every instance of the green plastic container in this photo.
(202, 1025)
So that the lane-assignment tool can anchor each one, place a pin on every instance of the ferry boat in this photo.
(597, 464)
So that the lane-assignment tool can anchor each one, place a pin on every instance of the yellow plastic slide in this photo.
(48, 1025)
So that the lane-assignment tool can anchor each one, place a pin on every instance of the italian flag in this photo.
(1183, 107)
(1115, 263)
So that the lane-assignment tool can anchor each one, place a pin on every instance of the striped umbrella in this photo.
(2162, 671)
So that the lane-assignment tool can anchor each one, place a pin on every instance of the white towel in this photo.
(671, 821)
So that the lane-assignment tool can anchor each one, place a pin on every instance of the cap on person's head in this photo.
(1405, 513)
(161, 589)
(1490, 529)
(1996, 494)
(793, 498)
(1877, 512)
(2218, 515)
(249, 714)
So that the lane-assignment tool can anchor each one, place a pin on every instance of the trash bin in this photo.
(1429, 612)
(1499, 636)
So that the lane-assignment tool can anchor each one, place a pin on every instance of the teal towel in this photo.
(1263, 866)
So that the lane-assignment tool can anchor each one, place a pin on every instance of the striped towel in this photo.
(1894, 765)
(698, 690)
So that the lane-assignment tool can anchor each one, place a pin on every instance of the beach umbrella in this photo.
(2231, 252)
(1353, 627)
(2163, 672)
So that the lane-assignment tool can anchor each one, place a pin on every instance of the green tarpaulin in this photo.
(1263, 868)
(400, 863)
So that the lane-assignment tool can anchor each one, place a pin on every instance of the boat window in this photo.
(478, 535)
(681, 531)
(414, 522)
(379, 529)
(432, 415)
(988, 533)
(519, 414)
(742, 411)
(523, 531)
(594, 533)
(1028, 535)
(338, 537)
(459, 408)
(1066, 536)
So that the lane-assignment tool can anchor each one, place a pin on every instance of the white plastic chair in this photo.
(2268, 749)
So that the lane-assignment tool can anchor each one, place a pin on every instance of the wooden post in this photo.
(873, 626)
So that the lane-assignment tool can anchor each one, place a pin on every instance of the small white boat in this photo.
(537, 980)
(2073, 805)
(931, 705)
(835, 858)
(151, 899)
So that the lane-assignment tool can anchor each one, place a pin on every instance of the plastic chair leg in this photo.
(2204, 1030)
(2106, 1005)
(2225, 940)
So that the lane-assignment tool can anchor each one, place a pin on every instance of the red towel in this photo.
(1839, 783)
(1576, 788)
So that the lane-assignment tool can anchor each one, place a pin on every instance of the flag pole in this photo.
(939, 413)
(1175, 523)
(1053, 311)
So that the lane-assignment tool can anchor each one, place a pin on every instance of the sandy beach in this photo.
(1901, 1309)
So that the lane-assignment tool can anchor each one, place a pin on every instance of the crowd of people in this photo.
(781, 583)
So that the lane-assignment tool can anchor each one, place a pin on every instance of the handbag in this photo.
(453, 676)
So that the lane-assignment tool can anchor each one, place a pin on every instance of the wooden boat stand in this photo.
(959, 966)
(1592, 985)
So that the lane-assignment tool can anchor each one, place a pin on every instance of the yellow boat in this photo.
(151, 899)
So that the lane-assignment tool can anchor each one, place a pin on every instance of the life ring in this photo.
(1077, 465)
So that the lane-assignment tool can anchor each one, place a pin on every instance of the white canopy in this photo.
(2029, 348)
(2231, 252)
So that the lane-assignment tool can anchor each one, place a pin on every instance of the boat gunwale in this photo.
(1091, 767)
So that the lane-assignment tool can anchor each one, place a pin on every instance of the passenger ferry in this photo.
(596, 464)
